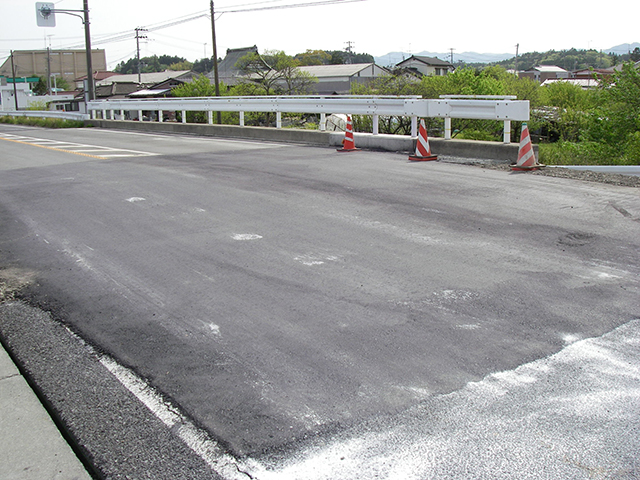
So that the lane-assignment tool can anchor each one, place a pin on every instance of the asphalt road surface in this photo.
(208, 308)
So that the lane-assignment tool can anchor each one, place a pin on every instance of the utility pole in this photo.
(87, 39)
(349, 51)
(516, 64)
(138, 37)
(215, 59)
(48, 70)
(451, 55)
(15, 89)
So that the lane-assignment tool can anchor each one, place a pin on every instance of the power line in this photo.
(293, 5)
(131, 34)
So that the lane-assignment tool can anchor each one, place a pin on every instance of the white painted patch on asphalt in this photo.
(570, 338)
(571, 415)
(307, 261)
(388, 228)
(246, 236)
(468, 326)
(313, 259)
(136, 199)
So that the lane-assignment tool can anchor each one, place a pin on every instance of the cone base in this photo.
(521, 168)
(347, 149)
(428, 158)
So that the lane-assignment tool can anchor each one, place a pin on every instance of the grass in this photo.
(586, 153)
(42, 122)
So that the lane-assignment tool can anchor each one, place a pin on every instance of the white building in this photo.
(8, 95)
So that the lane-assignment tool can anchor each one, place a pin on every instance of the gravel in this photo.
(585, 175)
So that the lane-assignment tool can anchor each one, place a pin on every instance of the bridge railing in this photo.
(502, 108)
(46, 114)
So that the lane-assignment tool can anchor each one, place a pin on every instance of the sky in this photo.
(376, 27)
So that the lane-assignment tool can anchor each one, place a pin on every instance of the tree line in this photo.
(161, 63)
(571, 59)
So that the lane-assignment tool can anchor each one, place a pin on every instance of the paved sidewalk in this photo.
(31, 446)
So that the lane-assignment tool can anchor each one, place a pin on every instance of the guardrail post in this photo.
(241, 114)
(140, 115)
(184, 116)
(376, 120)
(507, 131)
(447, 128)
(323, 122)
(414, 127)
(104, 114)
(121, 114)
(160, 113)
(278, 119)
(210, 117)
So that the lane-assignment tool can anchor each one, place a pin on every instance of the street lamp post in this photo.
(46, 18)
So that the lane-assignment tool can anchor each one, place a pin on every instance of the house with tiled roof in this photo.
(121, 86)
(228, 72)
(425, 65)
(338, 79)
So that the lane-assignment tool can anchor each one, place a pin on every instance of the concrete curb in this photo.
(493, 151)
(31, 445)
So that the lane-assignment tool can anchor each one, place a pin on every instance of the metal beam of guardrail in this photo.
(47, 114)
(485, 109)
(504, 108)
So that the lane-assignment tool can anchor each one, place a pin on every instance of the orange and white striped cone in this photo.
(526, 156)
(423, 151)
(348, 144)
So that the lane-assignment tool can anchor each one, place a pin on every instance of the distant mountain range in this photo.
(393, 58)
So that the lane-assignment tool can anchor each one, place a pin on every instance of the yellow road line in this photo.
(53, 148)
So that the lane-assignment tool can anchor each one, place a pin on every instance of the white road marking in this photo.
(197, 439)
(77, 147)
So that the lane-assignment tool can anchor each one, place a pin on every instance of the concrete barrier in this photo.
(487, 151)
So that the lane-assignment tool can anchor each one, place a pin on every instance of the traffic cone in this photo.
(348, 144)
(423, 151)
(526, 156)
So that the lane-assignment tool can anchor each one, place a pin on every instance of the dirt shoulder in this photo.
(585, 175)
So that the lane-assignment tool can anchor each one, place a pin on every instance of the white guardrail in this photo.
(47, 114)
(504, 108)
(477, 107)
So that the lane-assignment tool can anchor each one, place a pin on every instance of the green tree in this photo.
(152, 64)
(275, 73)
(314, 57)
(204, 65)
(617, 116)
(200, 86)
(179, 66)
(40, 88)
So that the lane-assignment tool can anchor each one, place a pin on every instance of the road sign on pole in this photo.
(45, 16)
